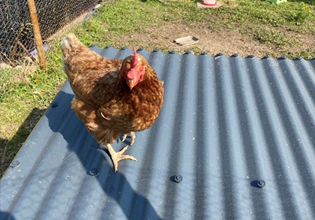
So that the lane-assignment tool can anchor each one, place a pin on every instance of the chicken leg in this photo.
(118, 156)
(132, 136)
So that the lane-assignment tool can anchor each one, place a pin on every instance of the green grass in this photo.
(25, 95)
(279, 23)
(271, 36)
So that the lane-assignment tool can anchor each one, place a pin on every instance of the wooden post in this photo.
(37, 35)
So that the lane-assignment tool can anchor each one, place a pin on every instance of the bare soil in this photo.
(221, 40)
(227, 42)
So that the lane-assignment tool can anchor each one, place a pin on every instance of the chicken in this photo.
(112, 97)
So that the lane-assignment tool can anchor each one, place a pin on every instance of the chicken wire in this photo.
(16, 36)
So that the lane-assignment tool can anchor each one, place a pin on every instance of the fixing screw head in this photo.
(282, 58)
(177, 178)
(54, 104)
(266, 57)
(15, 164)
(94, 172)
(261, 184)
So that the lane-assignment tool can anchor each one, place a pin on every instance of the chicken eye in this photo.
(128, 66)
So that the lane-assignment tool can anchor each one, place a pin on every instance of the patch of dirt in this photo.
(224, 41)
(227, 42)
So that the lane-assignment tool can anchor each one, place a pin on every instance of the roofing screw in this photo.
(172, 52)
(94, 172)
(54, 104)
(107, 46)
(261, 184)
(219, 55)
(156, 50)
(178, 178)
(15, 164)
(140, 49)
(124, 48)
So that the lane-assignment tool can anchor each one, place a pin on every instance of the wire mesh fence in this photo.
(16, 35)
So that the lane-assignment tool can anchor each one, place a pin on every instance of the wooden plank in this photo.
(37, 35)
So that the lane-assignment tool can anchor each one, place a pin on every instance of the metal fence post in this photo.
(37, 35)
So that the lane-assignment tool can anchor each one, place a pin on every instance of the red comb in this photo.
(135, 58)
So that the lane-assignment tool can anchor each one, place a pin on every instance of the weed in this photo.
(301, 15)
(271, 36)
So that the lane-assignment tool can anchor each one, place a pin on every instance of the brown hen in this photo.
(112, 96)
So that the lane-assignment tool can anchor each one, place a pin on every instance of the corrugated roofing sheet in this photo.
(235, 140)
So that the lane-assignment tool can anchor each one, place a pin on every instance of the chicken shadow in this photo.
(135, 210)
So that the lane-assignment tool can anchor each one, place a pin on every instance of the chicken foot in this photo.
(118, 156)
(132, 136)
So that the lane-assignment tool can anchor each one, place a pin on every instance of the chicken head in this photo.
(132, 69)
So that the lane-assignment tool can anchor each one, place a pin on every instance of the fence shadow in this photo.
(9, 148)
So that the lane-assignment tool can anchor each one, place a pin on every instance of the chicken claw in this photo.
(132, 136)
(124, 137)
(118, 156)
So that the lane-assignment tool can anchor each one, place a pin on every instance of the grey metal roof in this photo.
(235, 140)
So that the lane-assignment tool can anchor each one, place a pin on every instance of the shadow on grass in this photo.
(310, 2)
(9, 148)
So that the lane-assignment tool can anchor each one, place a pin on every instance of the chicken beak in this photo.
(132, 78)
(131, 83)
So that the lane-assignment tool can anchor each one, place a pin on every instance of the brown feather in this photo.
(103, 101)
